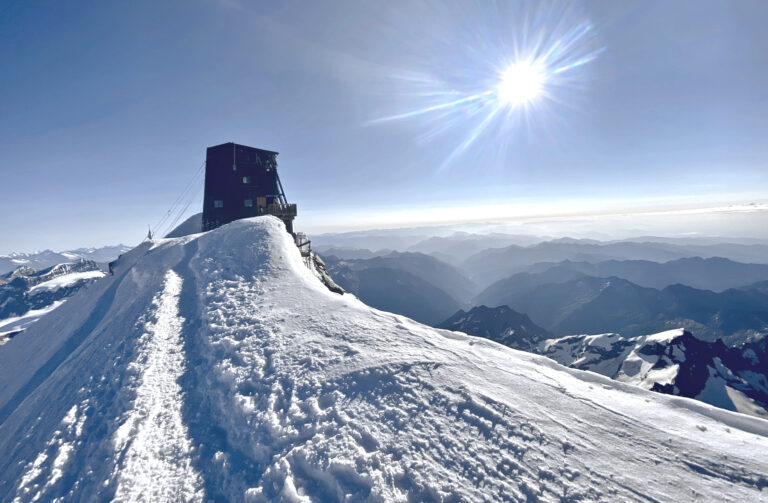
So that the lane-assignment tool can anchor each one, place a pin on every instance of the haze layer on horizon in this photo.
(727, 222)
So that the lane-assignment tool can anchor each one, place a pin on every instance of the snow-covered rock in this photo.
(27, 294)
(674, 362)
(217, 366)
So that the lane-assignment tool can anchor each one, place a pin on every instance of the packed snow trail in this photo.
(269, 387)
(153, 439)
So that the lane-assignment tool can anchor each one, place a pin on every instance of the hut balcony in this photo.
(281, 210)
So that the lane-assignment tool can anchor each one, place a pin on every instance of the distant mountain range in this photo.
(352, 253)
(672, 362)
(760, 286)
(716, 274)
(499, 324)
(413, 284)
(490, 265)
(460, 246)
(27, 294)
(48, 258)
(713, 297)
(587, 304)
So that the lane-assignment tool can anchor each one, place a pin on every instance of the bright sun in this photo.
(520, 84)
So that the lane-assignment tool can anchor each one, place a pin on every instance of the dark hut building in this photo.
(242, 182)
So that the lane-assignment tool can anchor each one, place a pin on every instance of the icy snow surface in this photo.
(217, 367)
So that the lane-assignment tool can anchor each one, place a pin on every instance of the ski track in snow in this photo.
(274, 389)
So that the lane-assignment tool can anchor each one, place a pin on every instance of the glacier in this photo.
(217, 366)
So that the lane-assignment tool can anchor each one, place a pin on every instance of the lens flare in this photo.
(524, 69)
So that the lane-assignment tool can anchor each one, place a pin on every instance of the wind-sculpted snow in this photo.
(218, 367)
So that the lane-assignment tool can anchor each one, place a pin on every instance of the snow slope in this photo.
(217, 366)
(16, 324)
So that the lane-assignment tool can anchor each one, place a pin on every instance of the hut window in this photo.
(218, 203)
(246, 179)
(248, 203)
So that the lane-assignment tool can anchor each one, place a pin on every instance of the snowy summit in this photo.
(217, 366)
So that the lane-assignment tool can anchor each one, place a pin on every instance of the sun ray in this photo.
(528, 73)
(433, 108)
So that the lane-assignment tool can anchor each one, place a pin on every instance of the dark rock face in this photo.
(500, 324)
(318, 266)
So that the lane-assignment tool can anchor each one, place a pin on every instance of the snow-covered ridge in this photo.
(274, 388)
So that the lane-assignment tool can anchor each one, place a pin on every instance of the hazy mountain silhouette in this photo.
(413, 284)
(444, 276)
(760, 286)
(351, 253)
(588, 304)
(458, 247)
(490, 265)
(396, 291)
(715, 273)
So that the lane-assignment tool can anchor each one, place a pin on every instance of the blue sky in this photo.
(106, 109)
